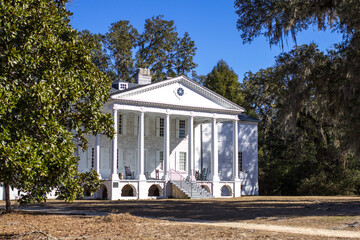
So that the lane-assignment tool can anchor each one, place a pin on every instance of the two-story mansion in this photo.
(173, 138)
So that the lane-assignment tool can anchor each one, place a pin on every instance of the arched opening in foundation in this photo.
(155, 191)
(128, 191)
(205, 187)
(226, 191)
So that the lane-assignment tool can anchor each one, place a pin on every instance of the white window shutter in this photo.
(82, 158)
(88, 156)
(147, 129)
(109, 159)
(157, 159)
(157, 126)
(177, 128)
(120, 159)
(119, 130)
(124, 124)
(136, 125)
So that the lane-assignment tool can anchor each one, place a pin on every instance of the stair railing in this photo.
(186, 184)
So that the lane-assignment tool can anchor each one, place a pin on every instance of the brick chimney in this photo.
(143, 76)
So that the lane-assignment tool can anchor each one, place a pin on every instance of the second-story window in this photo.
(182, 128)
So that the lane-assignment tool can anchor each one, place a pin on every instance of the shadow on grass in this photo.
(213, 210)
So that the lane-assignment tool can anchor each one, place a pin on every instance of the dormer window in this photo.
(123, 86)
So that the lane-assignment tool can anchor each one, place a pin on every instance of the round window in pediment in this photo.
(180, 91)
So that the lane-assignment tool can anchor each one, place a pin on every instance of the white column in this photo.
(114, 174)
(166, 146)
(191, 148)
(97, 155)
(141, 148)
(214, 151)
(235, 151)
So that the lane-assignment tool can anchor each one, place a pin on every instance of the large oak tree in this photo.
(159, 48)
(309, 100)
(51, 95)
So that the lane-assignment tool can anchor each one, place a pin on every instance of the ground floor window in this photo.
(182, 161)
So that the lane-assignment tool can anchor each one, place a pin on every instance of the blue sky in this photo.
(210, 23)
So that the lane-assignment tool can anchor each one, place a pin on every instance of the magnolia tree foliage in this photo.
(51, 95)
(159, 48)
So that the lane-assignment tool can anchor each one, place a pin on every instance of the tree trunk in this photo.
(7, 197)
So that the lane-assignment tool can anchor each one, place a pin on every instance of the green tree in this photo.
(224, 81)
(98, 53)
(162, 51)
(158, 48)
(304, 156)
(340, 88)
(120, 41)
(51, 95)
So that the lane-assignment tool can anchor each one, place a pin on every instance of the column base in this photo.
(141, 177)
(215, 178)
(114, 177)
(237, 188)
(216, 191)
(165, 177)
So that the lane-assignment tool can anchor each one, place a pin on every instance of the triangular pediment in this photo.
(179, 91)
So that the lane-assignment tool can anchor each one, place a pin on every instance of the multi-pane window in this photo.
(122, 86)
(240, 157)
(182, 161)
(92, 157)
(162, 127)
(182, 128)
(120, 124)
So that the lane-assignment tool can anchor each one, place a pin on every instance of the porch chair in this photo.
(204, 173)
(197, 175)
(128, 173)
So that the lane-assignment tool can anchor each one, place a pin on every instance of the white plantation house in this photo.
(174, 138)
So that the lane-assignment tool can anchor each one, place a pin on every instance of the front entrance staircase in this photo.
(190, 189)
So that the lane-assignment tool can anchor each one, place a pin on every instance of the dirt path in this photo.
(280, 229)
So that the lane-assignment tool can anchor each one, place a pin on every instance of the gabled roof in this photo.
(159, 94)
